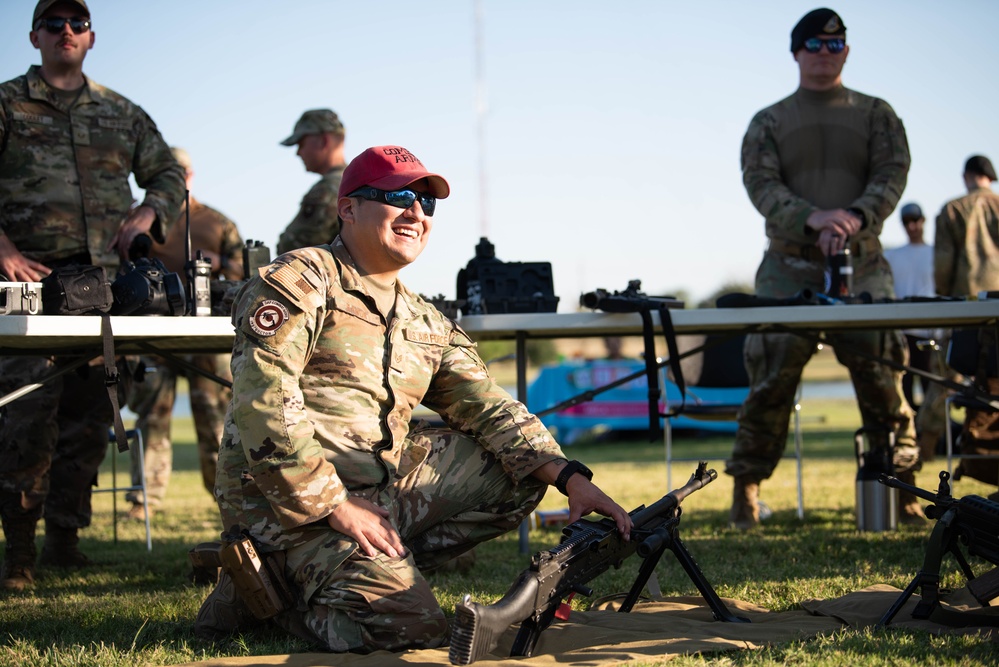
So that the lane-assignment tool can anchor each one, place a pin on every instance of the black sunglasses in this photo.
(55, 24)
(835, 45)
(397, 198)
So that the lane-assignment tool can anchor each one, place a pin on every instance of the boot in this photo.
(19, 557)
(137, 512)
(62, 547)
(223, 613)
(745, 513)
(909, 510)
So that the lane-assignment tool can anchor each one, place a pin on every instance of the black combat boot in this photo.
(19, 557)
(62, 547)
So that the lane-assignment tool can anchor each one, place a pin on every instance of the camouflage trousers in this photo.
(153, 400)
(52, 440)
(775, 361)
(980, 436)
(458, 497)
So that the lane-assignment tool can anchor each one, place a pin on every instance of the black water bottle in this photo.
(840, 274)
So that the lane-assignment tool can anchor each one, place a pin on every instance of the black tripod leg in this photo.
(646, 571)
(718, 607)
(900, 602)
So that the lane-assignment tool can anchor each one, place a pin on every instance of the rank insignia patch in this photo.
(268, 317)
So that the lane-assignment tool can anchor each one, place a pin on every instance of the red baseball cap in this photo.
(389, 168)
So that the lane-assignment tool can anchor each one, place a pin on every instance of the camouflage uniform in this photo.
(861, 164)
(324, 393)
(153, 398)
(64, 192)
(966, 262)
(317, 222)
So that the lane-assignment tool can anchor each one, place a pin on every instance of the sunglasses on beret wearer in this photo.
(397, 198)
(55, 24)
(834, 45)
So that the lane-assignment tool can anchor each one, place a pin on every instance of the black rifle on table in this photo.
(634, 300)
(972, 521)
(588, 549)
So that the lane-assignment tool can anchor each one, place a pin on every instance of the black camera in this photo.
(144, 286)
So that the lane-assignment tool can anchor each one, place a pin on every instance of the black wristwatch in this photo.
(570, 469)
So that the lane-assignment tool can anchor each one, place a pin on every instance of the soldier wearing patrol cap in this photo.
(67, 147)
(319, 462)
(319, 136)
(825, 167)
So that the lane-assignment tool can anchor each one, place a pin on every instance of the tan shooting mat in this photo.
(658, 630)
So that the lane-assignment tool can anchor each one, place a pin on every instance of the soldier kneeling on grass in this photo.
(319, 466)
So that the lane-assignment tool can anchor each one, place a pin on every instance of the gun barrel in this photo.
(896, 483)
(701, 478)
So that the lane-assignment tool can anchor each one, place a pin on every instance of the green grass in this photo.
(137, 607)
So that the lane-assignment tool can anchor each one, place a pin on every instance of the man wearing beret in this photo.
(319, 136)
(319, 462)
(825, 167)
(67, 147)
(966, 262)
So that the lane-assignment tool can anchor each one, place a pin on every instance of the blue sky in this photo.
(612, 130)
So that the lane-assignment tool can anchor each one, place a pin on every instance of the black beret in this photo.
(980, 166)
(820, 21)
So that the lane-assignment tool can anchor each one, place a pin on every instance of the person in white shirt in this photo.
(912, 270)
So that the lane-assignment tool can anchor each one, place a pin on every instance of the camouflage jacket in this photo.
(966, 245)
(824, 150)
(211, 231)
(317, 222)
(324, 389)
(64, 171)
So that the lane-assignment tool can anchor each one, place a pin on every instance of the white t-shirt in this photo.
(912, 269)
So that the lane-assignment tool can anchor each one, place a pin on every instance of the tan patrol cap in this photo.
(314, 121)
(44, 5)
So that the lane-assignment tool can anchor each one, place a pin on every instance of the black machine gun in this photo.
(587, 549)
(972, 521)
(633, 300)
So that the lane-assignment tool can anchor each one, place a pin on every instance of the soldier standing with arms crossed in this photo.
(319, 136)
(67, 147)
(825, 167)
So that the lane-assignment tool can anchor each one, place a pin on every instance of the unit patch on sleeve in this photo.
(268, 317)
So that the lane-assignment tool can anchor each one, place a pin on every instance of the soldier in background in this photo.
(67, 146)
(817, 203)
(319, 463)
(153, 398)
(966, 262)
(912, 273)
(319, 136)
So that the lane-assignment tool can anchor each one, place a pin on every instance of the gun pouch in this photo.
(259, 582)
(76, 289)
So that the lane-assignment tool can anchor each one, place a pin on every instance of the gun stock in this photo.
(587, 549)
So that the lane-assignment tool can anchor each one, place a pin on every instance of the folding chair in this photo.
(721, 366)
(134, 437)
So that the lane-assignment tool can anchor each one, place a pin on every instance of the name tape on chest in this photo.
(31, 118)
(268, 317)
